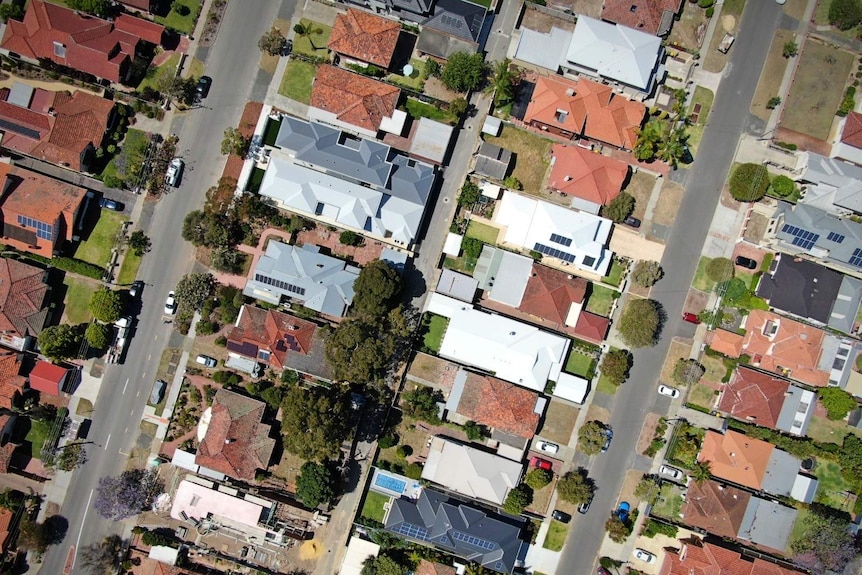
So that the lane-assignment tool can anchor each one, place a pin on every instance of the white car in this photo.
(671, 472)
(548, 447)
(668, 391)
(644, 556)
(174, 172)
(206, 361)
(171, 303)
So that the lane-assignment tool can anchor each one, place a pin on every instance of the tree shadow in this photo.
(55, 528)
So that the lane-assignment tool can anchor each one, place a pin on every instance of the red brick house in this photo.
(364, 37)
(11, 381)
(23, 303)
(85, 43)
(352, 101)
(650, 16)
(497, 404)
(592, 180)
(695, 557)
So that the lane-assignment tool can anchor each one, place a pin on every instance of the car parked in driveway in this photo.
(540, 463)
(561, 516)
(111, 205)
(668, 391)
(548, 447)
(206, 361)
(632, 221)
(671, 472)
(691, 317)
(171, 303)
(746, 263)
(644, 555)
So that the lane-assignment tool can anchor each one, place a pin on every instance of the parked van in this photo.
(175, 172)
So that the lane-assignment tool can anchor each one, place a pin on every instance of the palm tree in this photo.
(503, 82)
(701, 472)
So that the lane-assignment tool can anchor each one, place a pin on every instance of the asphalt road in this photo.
(728, 120)
(232, 64)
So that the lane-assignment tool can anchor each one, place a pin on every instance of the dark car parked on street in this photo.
(203, 87)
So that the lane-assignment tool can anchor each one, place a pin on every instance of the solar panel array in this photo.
(548, 251)
(410, 530)
(279, 284)
(561, 240)
(43, 230)
(833, 237)
(856, 258)
(801, 238)
(475, 541)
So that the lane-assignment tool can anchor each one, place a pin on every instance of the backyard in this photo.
(829, 431)
(184, 24)
(771, 75)
(415, 80)
(96, 249)
(374, 506)
(832, 490)
(79, 292)
(297, 80)
(482, 232)
(703, 98)
(531, 155)
(462, 263)
(436, 329)
(556, 536)
(314, 42)
(418, 109)
(601, 300)
(817, 89)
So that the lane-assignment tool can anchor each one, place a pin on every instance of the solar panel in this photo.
(557, 238)
(474, 541)
(833, 237)
(802, 238)
(856, 258)
(413, 531)
(9, 126)
(802, 243)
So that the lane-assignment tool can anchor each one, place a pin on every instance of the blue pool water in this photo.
(390, 483)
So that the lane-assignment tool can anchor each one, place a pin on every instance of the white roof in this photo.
(492, 125)
(395, 123)
(543, 49)
(452, 247)
(490, 190)
(431, 140)
(471, 472)
(572, 388)
(197, 501)
(513, 351)
(358, 550)
(164, 554)
(616, 52)
(538, 225)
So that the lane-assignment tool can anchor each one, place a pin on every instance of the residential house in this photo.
(832, 185)
(584, 109)
(40, 214)
(426, 567)
(573, 238)
(627, 58)
(767, 401)
(430, 141)
(58, 127)
(153, 562)
(49, 379)
(512, 413)
(245, 516)
(513, 271)
(592, 327)
(725, 342)
(12, 381)
(354, 102)
(8, 421)
(409, 10)
(304, 275)
(101, 48)
(695, 557)
(543, 49)
(234, 441)
(457, 285)
(650, 16)
(755, 464)
(492, 161)
(6, 517)
(590, 179)
(716, 508)
(357, 553)
(511, 350)
(471, 472)
(363, 38)
(466, 531)
(23, 302)
(768, 523)
(849, 146)
(279, 340)
(147, 6)
(455, 26)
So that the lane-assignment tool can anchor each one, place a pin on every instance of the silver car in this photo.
(206, 361)
(644, 555)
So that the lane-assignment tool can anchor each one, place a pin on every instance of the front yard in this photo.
(580, 364)
(418, 109)
(79, 292)
(482, 232)
(415, 80)
(39, 431)
(129, 268)
(96, 249)
(601, 300)
(556, 536)
(184, 22)
(531, 156)
(640, 186)
(131, 153)
(152, 78)
(703, 98)
(701, 280)
(314, 43)
(669, 502)
(701, 395)
(297, 80)
(615, 274)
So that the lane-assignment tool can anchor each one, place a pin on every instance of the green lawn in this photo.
(255, 180)
(414, 81)
(419, 109)
(436, 330)
(701, 280)
(482, 232)
(462, 263)
(579, 364)
(195, 69)
(799, 527)
(133, 148)
(556, 536)
(832, 485)
(701, 395)
(296, 83)
(531, 156)
(182, 24)
(313, 44)
(169, 66)
(129, 268)
(77, 302)
(373, 508)
(615, 275)
(828, 431)
(669, 502)
(605, 386)
(704, 97)
(37, 435)
(96, 249)
(601, 299)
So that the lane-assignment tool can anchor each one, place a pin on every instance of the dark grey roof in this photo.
(415, 6)
(801, 288)
(442, 45)
(814, 231)
(458, 18)
(767, 523)
(846, 306)
(411, 180)
(314, 361)
(780, 473)
(469, 532)
(493, 161)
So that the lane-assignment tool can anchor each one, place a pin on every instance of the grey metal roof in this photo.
(795, 408)
(493, 161)
(486, 538)
(503, 274)
(801, 288)
(442, 45)
(543, 49)
(457, 285)
(835, 182)
(780, 473)
(823, 235)
(847, 302)
(767, 523)
(457, 18)
(320, 282)
(431, 140)
(21, 94)
(415, 6)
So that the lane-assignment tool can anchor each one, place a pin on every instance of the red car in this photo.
(540, 463)
(691, 317)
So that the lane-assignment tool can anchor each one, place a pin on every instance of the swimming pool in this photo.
(390, 483)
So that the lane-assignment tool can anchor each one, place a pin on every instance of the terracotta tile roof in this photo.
(236, 442)
(270, 331)
(852, 132)
(143, 5)
(365, 36)
(431, 568)
(141, 564)
(11, 381)
(7, 450)
(585, 174)
(79, 122)
(793, 346)
(726, 342)
(754, 396)
(78, 41)
(5, 522)
(717, 508)
(551, 293)
(354, 99)
(698, 558)
(643, 15)
(47, 377)
(23, 292)
(143, 29)
(735, 457)
(499, 404)
(592, 327)
(586, 108)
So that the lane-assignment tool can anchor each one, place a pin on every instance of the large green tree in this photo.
(384, 565)
(618, 531)
(272, 42)
(97, 335)
(825, 543)
(504, 82)
(639, 323)
(99, 8)
(315, 422)
(194, 289)
(60, 342)
(749, 182)
(591, 437)
(646, 273)
(315, 484)
(518, 499)
(838, 403)
(234, 143)
(620, 207)
(106, 305)
(615, 365)
(845, 14)
(575, 487)
(375, 289)
(463, 71)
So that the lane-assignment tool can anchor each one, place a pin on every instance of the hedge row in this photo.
(73, 265)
